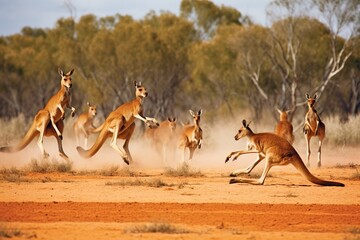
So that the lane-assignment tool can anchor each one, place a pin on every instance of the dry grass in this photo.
(12, 129)
(9, 233)
(157, 228)
(356, 174)
(109, 171)
(343, 134)
(156, 183)
(182, 171)
(48, 166)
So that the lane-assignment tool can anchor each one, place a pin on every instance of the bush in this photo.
(47, 165)
(12, 129)
(343, 134)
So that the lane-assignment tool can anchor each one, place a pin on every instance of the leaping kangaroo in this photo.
(117, 124)
(84, 124)
(276, 151)
(49, 121)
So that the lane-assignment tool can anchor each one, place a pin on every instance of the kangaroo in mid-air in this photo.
(49, 121)
(117, 123)
(276, 151)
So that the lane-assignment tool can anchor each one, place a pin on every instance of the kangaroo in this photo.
(191, 136)
(49, 121)
(84, 124)
(40, 126)
(313, 127)
(117, 124)
(284, 128)
(61, 99)
(276, 151)
(162, 138)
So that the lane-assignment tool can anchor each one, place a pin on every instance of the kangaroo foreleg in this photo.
(238, 153)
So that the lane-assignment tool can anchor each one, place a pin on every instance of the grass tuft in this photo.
(9, 233)
(156, 183)
(182, 171)
(157, 228)
(48, 166)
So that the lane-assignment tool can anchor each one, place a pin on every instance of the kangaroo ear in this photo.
(70, 73)
(88, 104)
(174, 119)
(315, 96)
(278, 110)
(307, 96)
(191, 113)
(200, 112)
(248, 124)
(244, 122)
(61, 73)
(169, 119)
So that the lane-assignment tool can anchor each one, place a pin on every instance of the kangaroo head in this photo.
(140, 90)
(172, 124)
(243, 131)
(66, 78)
(283, 114)
(196, 117)
(311, 100)
(92, 109)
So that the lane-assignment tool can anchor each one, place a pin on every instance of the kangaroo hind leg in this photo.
(114, 139)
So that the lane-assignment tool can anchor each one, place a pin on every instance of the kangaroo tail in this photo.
(95, 148)
(98, 129)
(299, 165)
(29, 136)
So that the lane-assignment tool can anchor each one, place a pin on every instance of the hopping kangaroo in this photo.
(191, 135)
(119, 124)
(49, 121)
(60, 100)
(313, 127)
(284, 128)
(164, 137)
(276, 151)
(84, 124)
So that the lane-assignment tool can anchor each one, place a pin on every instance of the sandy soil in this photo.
(92, 206)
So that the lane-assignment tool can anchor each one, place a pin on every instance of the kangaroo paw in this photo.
(126, 160)
(61, 137)
(64, 156)
(233, 180)
(46, 155)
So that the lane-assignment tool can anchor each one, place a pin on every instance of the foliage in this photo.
(209, 57)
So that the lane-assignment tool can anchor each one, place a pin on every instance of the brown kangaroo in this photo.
(284, 128)
(313, 127)
(163, 138)
(191, 136)
(60, 100)
(276, 151)
(49, 121)
(84, 124)
(117, 124)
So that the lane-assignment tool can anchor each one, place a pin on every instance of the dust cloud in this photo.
(218, 142)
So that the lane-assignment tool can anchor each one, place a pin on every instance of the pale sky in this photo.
(16, 14)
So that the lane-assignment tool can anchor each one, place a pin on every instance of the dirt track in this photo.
(93, 206)
(251, 217)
